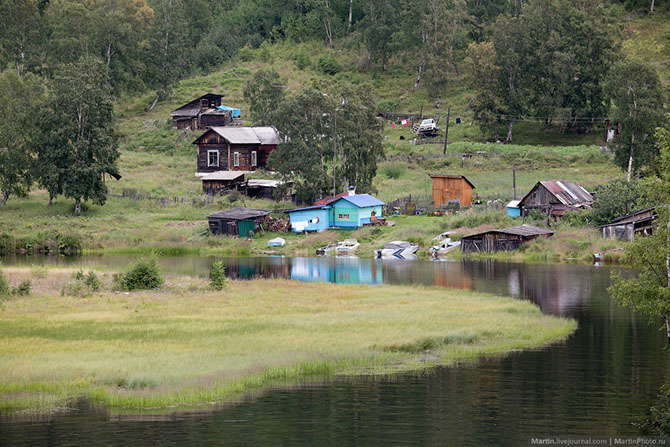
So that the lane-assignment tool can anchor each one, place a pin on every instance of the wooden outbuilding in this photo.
(237, 221)
(450, 189)
(235, 148)
(554, 197)
(506, 239)
(201, 113)
(219, 181)
(626, 228)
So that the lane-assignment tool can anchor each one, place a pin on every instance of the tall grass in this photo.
(183, 347)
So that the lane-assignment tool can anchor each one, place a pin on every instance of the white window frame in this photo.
(254, 158)
(209, 164)
(236, 159)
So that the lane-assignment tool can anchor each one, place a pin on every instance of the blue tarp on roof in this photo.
(233, 111)
(363, 200)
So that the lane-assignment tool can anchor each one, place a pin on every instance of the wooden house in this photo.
(625, 228)
(451, 188)
(555, 197)
(237, 221)
(506, 239)
(201, 113)
(235, 148)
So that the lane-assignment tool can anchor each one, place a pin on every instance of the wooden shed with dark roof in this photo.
(554, 197)
(451, 188)
(237, 221)
(506, 239)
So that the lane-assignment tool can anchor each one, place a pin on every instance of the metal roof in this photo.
(521, 230)
(329, 199)
(245, 135)
(239, 213)
(313, 207)
(567, 192)
(631, 217)
(265, 183)
(513, 204)
(362, 200)
(224, 175)
(195, 104)
(460, 177)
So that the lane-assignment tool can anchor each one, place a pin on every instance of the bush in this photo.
(264, 52)
(23, 289)
(658, 422)
(246, 53)
(143, 274)
(217, 276)
(328, 65)
(91, 280)
(393, 171)
(302, 59)
(4, 286)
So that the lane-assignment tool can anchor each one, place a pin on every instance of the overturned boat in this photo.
(397, 249)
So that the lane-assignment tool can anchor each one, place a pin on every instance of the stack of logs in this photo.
(276, 225)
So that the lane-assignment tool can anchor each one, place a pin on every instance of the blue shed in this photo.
(311, 218)
(355, 211)
(513, 209)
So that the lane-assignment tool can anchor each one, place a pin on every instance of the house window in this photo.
(213, 158)
(254, 158)
(236, 158)
(343, 216)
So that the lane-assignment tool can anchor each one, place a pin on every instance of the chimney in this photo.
(352, 191)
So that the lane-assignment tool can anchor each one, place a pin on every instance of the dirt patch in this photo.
(467, 231)
(185, 223)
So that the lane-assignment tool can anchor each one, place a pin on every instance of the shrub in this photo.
(393, 171)
(91, 280)
(23, 289)
(246, 53)
(217, 276)
(4, 286)
(328, 65)
(264, 52)
(302, 59)
(143, 274)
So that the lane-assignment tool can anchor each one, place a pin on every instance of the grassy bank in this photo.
(185, 345)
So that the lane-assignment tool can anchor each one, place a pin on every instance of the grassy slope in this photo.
(158, 349)
(158, 160)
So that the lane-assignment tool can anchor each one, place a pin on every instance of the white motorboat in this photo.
(397, 249)
(347, 247)
(444, 247)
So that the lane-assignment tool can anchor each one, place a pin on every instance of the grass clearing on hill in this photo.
(184, 345)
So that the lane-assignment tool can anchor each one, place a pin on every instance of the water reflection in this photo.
(599, 381)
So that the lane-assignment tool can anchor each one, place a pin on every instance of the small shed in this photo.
(506, 239)
(354, 211)
(311, 218)
(451, 188)
(265, 189)
(554, 197)
(220, 181)
(513, 209)
(625, 228)
(237, 221)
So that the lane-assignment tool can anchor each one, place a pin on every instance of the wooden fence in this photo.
(133, 194)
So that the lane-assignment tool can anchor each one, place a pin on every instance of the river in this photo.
(602, 379)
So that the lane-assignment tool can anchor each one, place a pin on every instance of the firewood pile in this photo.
(276, 225)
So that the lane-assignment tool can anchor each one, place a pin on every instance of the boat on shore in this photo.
(397, 249)
(444, 247)
(346, 247)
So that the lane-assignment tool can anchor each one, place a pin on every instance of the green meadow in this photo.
(185, 346)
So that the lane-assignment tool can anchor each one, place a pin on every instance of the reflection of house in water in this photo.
(250, 268)
(447, 278)
(340, 270)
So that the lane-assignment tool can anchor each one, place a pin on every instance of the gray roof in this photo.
(239, 213)
(521, 230)
(567, 192)
(224, 175)
(248, 135)
(186, 112)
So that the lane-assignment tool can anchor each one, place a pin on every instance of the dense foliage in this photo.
(143, 274)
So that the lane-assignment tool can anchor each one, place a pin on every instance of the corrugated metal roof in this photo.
(224, 175)
(267, 135)
(237, 135)
(186, 112)
(265, 183)
(313, 207)
(326, 200)
(363, 200)
(568, 193)
(521, 230)
(632, 216)
(239, 213)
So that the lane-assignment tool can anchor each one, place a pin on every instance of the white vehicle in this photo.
(428, 126)
(397, 249)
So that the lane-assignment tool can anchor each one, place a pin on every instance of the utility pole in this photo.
(514, 180)
(446, 132)
(334, 150)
